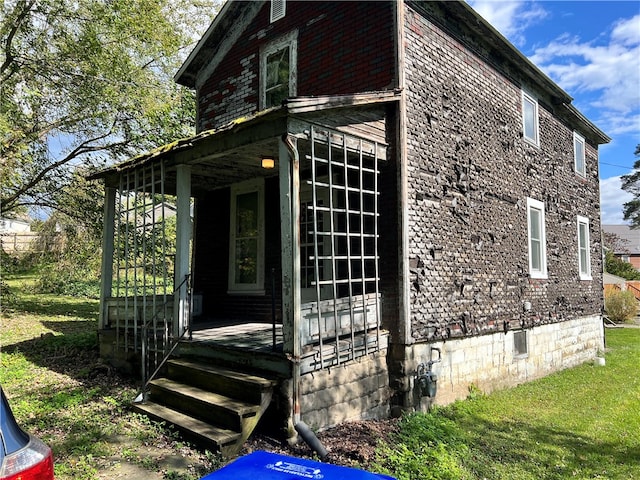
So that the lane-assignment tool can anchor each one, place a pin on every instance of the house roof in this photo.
(629, 238)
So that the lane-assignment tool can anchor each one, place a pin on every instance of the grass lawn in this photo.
(61, 392)
(582, 423)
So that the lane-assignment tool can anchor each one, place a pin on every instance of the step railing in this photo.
(142, 394)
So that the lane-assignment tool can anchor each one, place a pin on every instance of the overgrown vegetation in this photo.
(621, 305)
(61, 391)
(619, 267)
(578, 423)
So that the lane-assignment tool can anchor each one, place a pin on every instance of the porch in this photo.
(282, 256)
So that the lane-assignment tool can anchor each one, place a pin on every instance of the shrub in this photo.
(621, 306)
(428, 447)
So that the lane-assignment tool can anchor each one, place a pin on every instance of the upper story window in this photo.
(530, 118)
(537, 239)
(278, 9)
(278, 70)
(584, 260)
(579, 154)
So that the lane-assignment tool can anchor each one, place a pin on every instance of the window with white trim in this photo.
(579, 154)
(584, 259)
(246, 241)
(530, 118)
(278, 9)
(278, 70)
(537, 239)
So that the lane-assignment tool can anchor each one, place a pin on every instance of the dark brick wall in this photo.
(211, 270)
(470, 173)
(343, 47)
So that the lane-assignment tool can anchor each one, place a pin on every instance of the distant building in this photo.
(13, 225)
(15, 235)
(628, 248)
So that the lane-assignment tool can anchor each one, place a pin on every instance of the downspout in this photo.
(404, 338)
(289, 148)
(403, 211)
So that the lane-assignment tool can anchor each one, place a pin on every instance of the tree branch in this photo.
(8, 55)
(9, 202)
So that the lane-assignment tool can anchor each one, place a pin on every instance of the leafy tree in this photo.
(616, 266)
(631, 184)
(85, 83)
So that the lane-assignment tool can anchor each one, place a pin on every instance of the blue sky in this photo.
(592, 50)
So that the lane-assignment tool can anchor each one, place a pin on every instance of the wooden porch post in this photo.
(290, 249)
(183, 239)
(106, 270)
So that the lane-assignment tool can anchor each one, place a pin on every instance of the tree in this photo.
(631, 184)
(86, 83)
(616, 266)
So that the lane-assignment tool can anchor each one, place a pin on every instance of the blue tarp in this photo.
(270, 466)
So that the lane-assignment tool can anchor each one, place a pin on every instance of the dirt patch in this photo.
(351, 444)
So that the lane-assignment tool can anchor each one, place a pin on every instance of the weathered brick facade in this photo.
(341, 48)
(470, 173)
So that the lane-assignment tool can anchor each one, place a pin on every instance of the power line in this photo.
(614, 165)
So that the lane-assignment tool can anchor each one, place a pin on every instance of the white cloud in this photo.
(612, 198)
(607, 71)
(509, 18)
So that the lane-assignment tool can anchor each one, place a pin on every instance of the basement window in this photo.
(520, 348)
(278, 71)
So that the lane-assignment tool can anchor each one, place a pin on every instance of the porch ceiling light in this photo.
(268, 162)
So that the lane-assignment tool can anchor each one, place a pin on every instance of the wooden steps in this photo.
(217, 406)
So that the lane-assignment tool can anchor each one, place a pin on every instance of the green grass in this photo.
(579, 423)
(582, 423)
(60, 391)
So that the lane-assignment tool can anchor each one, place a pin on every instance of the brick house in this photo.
(371, 199)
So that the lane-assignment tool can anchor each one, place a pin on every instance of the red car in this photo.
(22, 456)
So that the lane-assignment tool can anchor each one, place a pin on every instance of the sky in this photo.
(591, 49)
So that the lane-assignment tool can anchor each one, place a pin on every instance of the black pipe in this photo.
(310, 439)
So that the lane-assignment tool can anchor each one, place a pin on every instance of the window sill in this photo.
(249, 293)
(538, 276)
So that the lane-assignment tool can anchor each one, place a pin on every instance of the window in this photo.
(278, 71)
(520, 348)
(578, 154)
(246, 242)
(530, 118)
(537, 241)
(278, 9)
(584, 259)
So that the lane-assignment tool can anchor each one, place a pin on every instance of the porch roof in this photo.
(245, 139)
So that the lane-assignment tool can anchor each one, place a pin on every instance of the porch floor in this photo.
(238, 335)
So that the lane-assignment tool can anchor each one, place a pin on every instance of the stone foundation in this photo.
(357, 390)
(496, 361)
